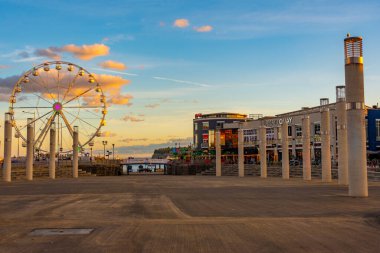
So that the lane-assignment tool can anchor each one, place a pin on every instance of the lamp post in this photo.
(113, 152)
(104, 149)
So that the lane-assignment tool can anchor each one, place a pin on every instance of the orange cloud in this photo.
(111, 84)
(113, 65)
(120, 100)
(132, 118)
(108, 134)
(87, 52)
(181, 23)
(204, 29)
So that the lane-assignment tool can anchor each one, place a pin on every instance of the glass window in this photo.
(205, 125)
(298, 131)
(270, 133)
(250, 136)
(196, 141)
(195, 126)
(290, 131)
(317, 128)
(220, 124)
(377, 129)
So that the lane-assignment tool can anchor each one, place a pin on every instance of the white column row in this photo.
(7, 165)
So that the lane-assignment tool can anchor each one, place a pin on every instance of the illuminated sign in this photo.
(277, 122)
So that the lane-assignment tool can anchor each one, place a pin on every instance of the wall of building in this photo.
(373, 129)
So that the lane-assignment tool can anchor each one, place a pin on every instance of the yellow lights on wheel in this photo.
(26, 79)
(46, 67)
(12, 99)
(103, 122)
(18, 89)
(81, 72)
(104, 111)
(98, 89)
(91, 143)
(35, 72)
(102, 99)
(70, 67)
(91, 78)
(58, 66)
(99, 134)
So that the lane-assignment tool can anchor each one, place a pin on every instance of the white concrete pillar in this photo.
(356, 136)
(342, 135)
(7, 165)
(263, 151)
(75, 152)
(285, 150)
(312, 146)
(325, 144)
(29, 148)
(294, 152)
(333, 135)
(218, 154)
(241, 152)
(52, 151)
(306, 162)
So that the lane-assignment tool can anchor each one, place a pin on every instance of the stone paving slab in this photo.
(188, 214)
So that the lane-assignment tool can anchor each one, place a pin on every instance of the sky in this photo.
(164, 61)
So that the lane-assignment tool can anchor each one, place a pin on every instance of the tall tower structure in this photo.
(356, 137)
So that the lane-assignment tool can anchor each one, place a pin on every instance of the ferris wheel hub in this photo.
(57, 107)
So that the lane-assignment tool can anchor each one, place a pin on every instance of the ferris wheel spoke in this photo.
(76, 117)
(42, 135)
(85, 106)
(43, 98)
(36, 119)
(69, 87)
(92, 113)
(58, 84)
(45, 86)
(79, 95)
(68, 125)
(31, 107)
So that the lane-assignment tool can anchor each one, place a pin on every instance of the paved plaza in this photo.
(187, 214)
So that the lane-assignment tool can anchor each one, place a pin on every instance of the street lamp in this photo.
(113, 152)
(104, 145)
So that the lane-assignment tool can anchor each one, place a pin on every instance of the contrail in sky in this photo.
(182, 81)
(115, 72)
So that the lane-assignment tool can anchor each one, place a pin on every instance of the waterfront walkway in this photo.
(188, 214)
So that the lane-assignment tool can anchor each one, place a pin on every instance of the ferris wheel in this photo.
(60, 94)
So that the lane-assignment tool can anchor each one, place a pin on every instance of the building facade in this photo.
(204, 126)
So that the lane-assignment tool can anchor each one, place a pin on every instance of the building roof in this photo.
(221, 115)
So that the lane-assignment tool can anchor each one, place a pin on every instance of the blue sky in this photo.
(264, 57)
